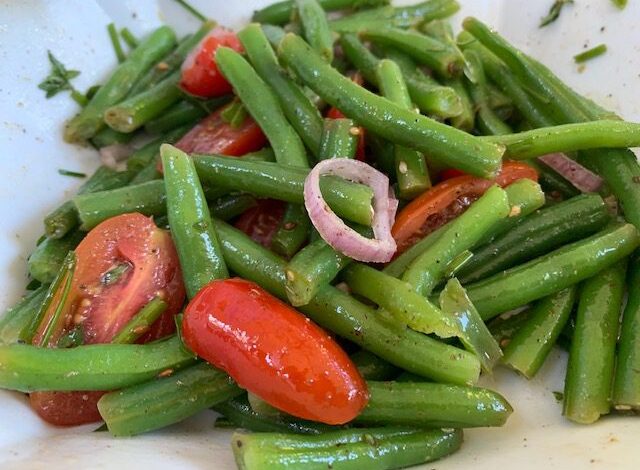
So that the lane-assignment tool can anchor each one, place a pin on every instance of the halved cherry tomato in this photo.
(447, 200)
(273, 351)
(121, 265)
(261, 222)
(335, 113)
(200, 74)
(214, 135)
(450, 173)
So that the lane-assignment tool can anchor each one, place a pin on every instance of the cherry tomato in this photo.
(214, 135)
(200, 74)
(450, 173)
(121, 265)
(261, 222)
(446, 200)
(274, 352)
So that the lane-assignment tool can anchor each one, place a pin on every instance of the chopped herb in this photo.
(620, 3)
(101, 428)
(191, 10)
(73, 338)
(59, 79)
(33, 284)
(90, 93)
(115, 42)
(590, 54)
(559, 396)
(129, 38)
(114, 274)
(457, 263)
(75, 174)
(234, 114)
(554, 12)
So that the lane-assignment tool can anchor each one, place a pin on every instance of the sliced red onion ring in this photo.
(112, 155)
(583, 179)
(333, 230)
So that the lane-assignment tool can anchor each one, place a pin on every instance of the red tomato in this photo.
(101, 307)
(213, 135)
(450, 173)
(261, 222)
(200, 74)
(274, 352)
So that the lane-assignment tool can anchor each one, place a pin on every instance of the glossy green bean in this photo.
(266, 179)
(386, 119)
(193, 232)
(532, 342)
(182, 113)
(280, 12)
(590, 370)
(264, 107)
(555, 271)
(293, 231)
(156, 404)
(539, 233)
(371, 367)
(426, 404)
(375, 449)
(89, 121)
(344, 315)
(149, 153)
(19, 317)
(107, 136)
(503, 327)
(315, 27)
(140, 322)
(338, 139)
(230, 206)
(93, 367)
(302, 114)
(626, 389)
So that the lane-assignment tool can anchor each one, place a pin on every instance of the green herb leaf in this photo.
(191, 10)
(59, 78)
(620, 3)
(75, 174)
(554, 12)
(590, 54)
(114, 274)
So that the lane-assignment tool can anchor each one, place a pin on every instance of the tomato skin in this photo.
(273, 351)
(200, 74)
(450, 173)
(214, 135)
(409, 222)
(101, 310)
(261, 222)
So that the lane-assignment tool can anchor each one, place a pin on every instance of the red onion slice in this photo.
(583, 179)
(112, 155)
(333, 230)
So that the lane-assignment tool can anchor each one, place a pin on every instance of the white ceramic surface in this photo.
(31, 151)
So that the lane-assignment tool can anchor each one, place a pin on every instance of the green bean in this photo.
(487, 120)
(336, 311)
(280, 12)
(338, 139)
(426, 404)
(442, 59)
(141, 322)
(158, 403)
(371, 367)
(149, 153)
(387, 119)
(180, 114)
(569, 138)
(147, 198)
(401, 17)
(115, 42)
(590, 370)
(525, 195)
(504, 327)
(266, 179)
(264, 107)
(89, 121)
(230, 206)
(315, 26)
(239, 412)
(191, 226)
(172, 61)
(411, 168)
(148, 173)
(107, 136)
(375, 449)
(552, 182)
(427, 269)
(626, 389)
(429, 96)
(555, 271)
(92, 367)
(534, 339)
(134, 112)
(63, 219)
(474, 334)
(45, 261)
(466, 119)
(292, 232)
(18, 318)
(274, 34)
(541, 232)
(299, 110)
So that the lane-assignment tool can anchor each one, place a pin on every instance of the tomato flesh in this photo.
(100, 305)
(261, 222)
(274, 352)
(200, 74)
